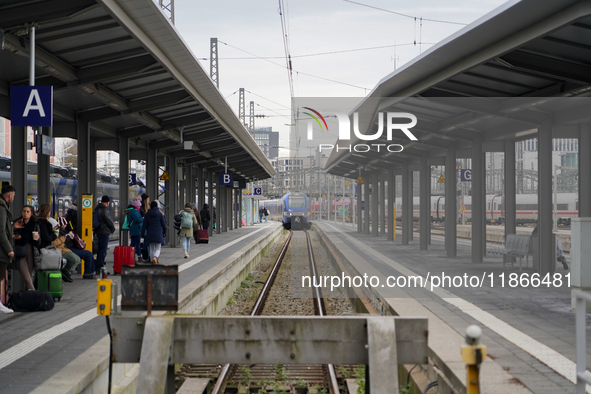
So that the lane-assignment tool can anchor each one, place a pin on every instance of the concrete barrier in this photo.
(208, 294)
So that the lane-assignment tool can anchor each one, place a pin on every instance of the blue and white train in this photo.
(64, 192)
(293, 210)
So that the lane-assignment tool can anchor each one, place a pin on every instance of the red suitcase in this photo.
(124, 255)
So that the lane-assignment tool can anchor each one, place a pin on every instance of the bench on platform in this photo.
(515, 245)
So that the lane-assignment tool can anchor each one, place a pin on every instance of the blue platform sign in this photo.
(31, 106)
(257, 191)
(132, 180)
(226, 179)
(466, 176)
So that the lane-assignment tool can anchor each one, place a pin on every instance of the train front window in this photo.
(297, 202)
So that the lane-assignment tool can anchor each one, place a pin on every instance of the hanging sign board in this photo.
(31, 106)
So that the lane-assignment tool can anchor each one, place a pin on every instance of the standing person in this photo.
(135, 222)
(72, 216)
(6, 234)
(104, 228)
(205, 216)
(154, 230)
(188, 223)
(261, 213)
(145, 204)
(26, 235)
(266, 214)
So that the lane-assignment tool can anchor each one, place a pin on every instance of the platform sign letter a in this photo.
(31, 105)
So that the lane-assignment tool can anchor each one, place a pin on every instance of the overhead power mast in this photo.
(213, 62)
(241, 105)
(251, 120)
(167, 7)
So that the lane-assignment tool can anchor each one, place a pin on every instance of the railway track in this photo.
(285, 378)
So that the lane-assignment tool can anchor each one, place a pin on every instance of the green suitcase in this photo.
(50, 281)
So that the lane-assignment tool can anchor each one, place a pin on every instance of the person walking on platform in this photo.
(6, 234)
(145, 204)
(205, 216)
(103, 227)
(188, 223)
(154, 230)
(135, 222)
(261, 213)
(266, 214)
(26, 235)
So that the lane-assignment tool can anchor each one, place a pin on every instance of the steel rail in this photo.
(256, 310)
(321, 311)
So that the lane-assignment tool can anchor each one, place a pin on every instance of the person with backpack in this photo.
(103, 227)
(154, 230)
(266, 214)
(188, 223)
(134, 225)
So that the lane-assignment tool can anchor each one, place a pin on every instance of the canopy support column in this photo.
(509, 202)
(425, 211)
(545, 237)
(123, 186)
(406, 203)
(374, 205)
(585, 171)
(450, 202)
(391, 203)
(478, 202)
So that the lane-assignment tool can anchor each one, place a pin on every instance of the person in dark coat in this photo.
(103, 231)
(205, 216)
(154, 230)
(6, 234)
(26, 235)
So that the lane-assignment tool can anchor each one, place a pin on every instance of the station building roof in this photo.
(122, 66)
(498, 78)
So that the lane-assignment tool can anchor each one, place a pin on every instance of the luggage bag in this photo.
(31, 301)
(201, 236)
(50, 281)
(124, 255)
(51, 259)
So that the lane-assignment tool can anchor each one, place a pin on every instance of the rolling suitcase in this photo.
(124, 255)
(201, 236)
(50, 281)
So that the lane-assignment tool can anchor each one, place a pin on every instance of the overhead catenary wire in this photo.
(298, 72)
(404, 15)
(323, 53)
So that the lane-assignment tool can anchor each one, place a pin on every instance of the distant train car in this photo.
(526, 207)
(293, 210)
(64, 192)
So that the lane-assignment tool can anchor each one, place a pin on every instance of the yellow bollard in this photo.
(473, 354)
(103, 297)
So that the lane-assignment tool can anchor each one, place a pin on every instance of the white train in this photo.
(526, 208)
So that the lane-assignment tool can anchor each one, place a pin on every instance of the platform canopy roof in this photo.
(499, 78)
(122, 66)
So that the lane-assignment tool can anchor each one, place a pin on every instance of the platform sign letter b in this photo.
(226, 179)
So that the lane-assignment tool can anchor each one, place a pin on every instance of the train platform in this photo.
(65, 350)
(529, 332)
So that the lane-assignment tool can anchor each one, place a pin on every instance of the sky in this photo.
(252, 49)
